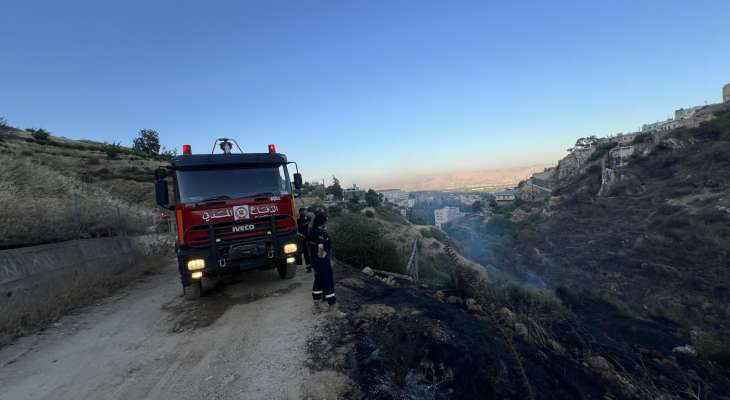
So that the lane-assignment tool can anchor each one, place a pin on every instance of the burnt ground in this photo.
(658, 242)
(418, 345)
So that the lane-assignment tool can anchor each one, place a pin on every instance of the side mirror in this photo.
(297, 180)
(163, 199)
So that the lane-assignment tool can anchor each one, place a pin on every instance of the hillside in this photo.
(481, 334)
(56, 189)
(658, 239)
(652, 241)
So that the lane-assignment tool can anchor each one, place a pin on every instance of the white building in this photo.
(446, 214)
(395, 196)
(505, 195)
(661, 126)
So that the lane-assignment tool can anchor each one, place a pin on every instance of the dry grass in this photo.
(41, 205)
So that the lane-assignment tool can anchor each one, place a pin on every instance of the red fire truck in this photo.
(233, 212)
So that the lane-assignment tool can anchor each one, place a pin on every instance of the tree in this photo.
(167, 154)
(584, 143)
(335, 189)
(372, 198)
(477, 206)
(40, 135)
(147, 142)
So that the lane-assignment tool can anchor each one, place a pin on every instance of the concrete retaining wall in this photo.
(33, 280)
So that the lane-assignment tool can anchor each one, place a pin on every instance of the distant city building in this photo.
(353, 192)
(411, 202)
(505, 195)
(395, 196)
(446, 214)
(662, 126)
(726, 93)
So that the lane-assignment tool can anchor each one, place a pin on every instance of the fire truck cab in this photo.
(233, 212)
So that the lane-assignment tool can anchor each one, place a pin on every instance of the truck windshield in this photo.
(223, 184)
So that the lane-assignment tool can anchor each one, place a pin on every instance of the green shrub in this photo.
(392, 215)
(40, 135)
(355, 207)
(712, 348)
(93, 161)
(434, 233)
(357, 240)
(369, 214)
(112, 150)
(4, 124)
(334, 211)
(431, 274)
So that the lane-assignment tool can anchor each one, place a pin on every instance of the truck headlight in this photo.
(290, 248)
(194, 265)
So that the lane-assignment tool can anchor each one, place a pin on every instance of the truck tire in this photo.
(193, 291)
(287, 271)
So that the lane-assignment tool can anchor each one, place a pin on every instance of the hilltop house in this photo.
(661, 126)
(353, 192)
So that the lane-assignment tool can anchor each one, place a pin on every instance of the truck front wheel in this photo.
(193, 291)
(287, 271)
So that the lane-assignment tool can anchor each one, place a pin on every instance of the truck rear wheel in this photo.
(193, 291)
(287, 271)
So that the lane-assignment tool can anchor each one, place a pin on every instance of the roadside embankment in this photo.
(39, 283)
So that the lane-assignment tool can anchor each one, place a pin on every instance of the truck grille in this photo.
(199, 235)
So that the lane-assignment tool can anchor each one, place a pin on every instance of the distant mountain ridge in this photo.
(481, 179)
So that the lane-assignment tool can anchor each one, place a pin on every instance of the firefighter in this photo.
(320, 251)
(303, 224)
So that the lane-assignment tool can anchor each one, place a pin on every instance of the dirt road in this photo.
(245, 340)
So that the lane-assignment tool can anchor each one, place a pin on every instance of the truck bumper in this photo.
(230, 258)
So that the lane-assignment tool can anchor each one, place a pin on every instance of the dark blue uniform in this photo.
(303, 228)
(324, 285)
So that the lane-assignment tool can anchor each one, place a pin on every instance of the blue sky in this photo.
(368, 90)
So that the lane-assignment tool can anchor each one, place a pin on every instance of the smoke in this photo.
(490, 242)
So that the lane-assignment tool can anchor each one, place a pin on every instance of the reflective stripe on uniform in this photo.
(317, 292)
(329, 296)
